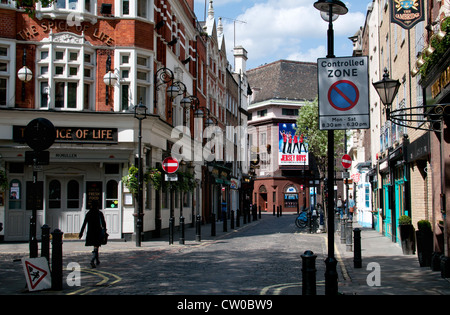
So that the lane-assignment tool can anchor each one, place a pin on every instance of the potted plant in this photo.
(424, 236)
(407, 235)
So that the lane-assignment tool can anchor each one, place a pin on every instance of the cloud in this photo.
(285, 29)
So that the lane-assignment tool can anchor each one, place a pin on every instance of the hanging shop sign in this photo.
(407, 13)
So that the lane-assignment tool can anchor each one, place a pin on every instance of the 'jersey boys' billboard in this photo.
(292, 149)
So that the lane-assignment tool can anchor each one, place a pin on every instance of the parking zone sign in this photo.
(343, 93)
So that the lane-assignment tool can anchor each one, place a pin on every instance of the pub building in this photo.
(436, 89)
(55, 65)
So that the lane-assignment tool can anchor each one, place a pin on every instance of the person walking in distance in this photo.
(96, 223)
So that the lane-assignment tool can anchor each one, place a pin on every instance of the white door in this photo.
(64, 204)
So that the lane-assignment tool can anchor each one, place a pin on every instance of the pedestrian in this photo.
(351, 207)
(96, 226)
(339, 206)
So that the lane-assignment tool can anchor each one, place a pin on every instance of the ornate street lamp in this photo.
(387, 89)
(24, 74)
(330, 11)
(110, 78)
(140, 113)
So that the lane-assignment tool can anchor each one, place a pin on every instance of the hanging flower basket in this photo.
(154, 177)
(131, 180)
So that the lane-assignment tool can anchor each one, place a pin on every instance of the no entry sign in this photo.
(170, 165)
(343, 93)
(346, 161)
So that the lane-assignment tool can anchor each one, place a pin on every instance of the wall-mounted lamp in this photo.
(24, 74)
(110, 78)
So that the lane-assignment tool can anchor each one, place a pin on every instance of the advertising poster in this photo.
(292, 148)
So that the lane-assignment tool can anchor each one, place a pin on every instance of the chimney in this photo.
(240, 60)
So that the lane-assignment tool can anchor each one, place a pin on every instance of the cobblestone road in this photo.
(263, 257)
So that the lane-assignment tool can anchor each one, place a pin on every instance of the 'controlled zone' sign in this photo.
(343, 93)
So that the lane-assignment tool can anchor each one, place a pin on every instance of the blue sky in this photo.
(283, 29)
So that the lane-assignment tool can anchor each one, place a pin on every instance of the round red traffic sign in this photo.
(170, 165)
(346, 161)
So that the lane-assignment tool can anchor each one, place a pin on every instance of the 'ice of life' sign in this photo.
(343, 93)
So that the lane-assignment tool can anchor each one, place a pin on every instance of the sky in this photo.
(271, 30)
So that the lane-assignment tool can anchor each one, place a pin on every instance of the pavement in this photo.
(385, 270)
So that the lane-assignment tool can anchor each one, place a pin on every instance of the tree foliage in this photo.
(308, 125)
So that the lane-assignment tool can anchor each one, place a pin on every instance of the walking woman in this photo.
(96, 226)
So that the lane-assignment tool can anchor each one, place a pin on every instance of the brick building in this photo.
(284, 176)
(92, 63)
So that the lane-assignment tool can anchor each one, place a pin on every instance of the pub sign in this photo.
(407, 13)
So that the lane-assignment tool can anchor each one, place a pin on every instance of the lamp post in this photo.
(330, 11)
(140, 113)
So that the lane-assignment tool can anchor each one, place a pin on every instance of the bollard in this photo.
(281, 211)
(309, 273)
(238, 218)
(357, 259)
(224, 219)
(348, 236)
(278, 211)
(181, 241)
(45, 247)
(171, 229)
(343, 230)
(57, 260)
(260, 212)
(232, 219)
(273, 210)
(198, 229)
(254, 213)
(213, 224)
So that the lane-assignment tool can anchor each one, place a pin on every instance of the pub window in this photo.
(54, 194)
(112, 194)
(73, 195)
(15, 197)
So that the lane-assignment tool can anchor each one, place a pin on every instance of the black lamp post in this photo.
(330, 11)
(140, 113)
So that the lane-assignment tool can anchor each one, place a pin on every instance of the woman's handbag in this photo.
(103, 234)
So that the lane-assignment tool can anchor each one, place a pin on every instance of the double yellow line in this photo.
(107, 279)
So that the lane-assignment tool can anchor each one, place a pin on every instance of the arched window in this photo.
(54, 194)
(112, 194)
(73, 195)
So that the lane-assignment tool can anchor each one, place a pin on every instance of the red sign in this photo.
(170, 165)
(346, 161)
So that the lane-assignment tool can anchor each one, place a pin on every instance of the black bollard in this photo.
(278, 211)
(171, 229)
(198, 229)
(57, 260)
(357, 259)
(244, 220)
(281, 211)
(260, 212)
(309, 273)
(45, 241)
(213, 224)
(348, 236)
(343, 230)
(181, 241)
(273, 210)
(232, 219)
(238, 218)
(224, 221)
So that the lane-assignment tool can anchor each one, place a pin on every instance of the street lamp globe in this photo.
(173, 91)
(110, 79)
(25, 74)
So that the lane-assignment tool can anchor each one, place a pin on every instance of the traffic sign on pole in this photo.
(346, 161)
(343, 93)
(170, 165)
